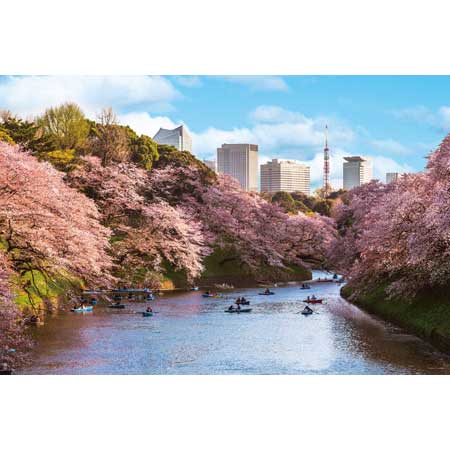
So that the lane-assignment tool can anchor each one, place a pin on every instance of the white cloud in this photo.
(444, 116)
(276, 128)
(275, 114)
(390, 146)
(144, 123)
(382, 165)
(414, 113)
(260, 82)
(31, 95)
(439, 119)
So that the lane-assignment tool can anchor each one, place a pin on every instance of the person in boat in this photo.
(313, 297)
(308, 309)
(149, 310)
(238, 307)
(208, 293)
(231, 307)
(243, 300)
(267, 291)
(238, 300)
(308, 298)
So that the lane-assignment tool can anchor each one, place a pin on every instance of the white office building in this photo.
(211, 163)
(392, 176)
(357, 171)
(287, 176)
(241, 162)
(178, 138)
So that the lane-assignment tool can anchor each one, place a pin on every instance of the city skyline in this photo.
(394, 120)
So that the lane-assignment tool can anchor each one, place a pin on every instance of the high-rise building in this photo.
(241, 162)
(178, 138)
(392, 176)
(287, 176)
(211, 163)
(357, 171)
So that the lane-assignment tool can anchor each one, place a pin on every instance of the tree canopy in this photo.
(66, 125)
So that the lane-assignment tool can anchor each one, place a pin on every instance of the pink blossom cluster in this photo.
(399, 234)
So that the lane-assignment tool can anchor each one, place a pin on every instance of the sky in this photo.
(394, 120)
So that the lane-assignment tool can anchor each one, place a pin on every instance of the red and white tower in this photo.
(326, 166)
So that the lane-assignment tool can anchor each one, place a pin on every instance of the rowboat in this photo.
(242, 310)
(314, 301)
(245, 302)
(83, 309)
(305, 287)
(195, 288)
(211, 295)
(147, 314)
(266, 293)
(307, 313)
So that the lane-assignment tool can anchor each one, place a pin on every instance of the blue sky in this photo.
(395, 120)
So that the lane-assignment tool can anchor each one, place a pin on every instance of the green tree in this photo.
(26, 134)
(144, 151)
(304, 201)
(323, 207)
(336, 194)
(170, 156)
(285, 200)
(5, 137)
(67, 125)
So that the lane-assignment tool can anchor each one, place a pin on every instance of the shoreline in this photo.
(428, 319)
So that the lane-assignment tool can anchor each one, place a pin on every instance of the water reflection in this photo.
(191, 335)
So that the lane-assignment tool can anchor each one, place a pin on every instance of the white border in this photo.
(228, 37)
(224, 37)
(223, 412)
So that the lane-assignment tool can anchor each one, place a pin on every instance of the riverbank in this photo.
(221, 268)
(428, 316)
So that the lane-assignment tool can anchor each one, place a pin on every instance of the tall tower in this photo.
(326, 166)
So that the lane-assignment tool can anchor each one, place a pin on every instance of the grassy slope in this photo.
(231, 272)
(42, 290)
(428, 316)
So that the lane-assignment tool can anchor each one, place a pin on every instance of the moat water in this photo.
(189, 334)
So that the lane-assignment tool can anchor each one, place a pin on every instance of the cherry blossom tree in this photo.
(252, 231)
(164, 234)
(399, 234)
(45, 225)
(147, 231)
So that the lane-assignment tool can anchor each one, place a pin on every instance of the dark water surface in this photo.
(192, 335)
